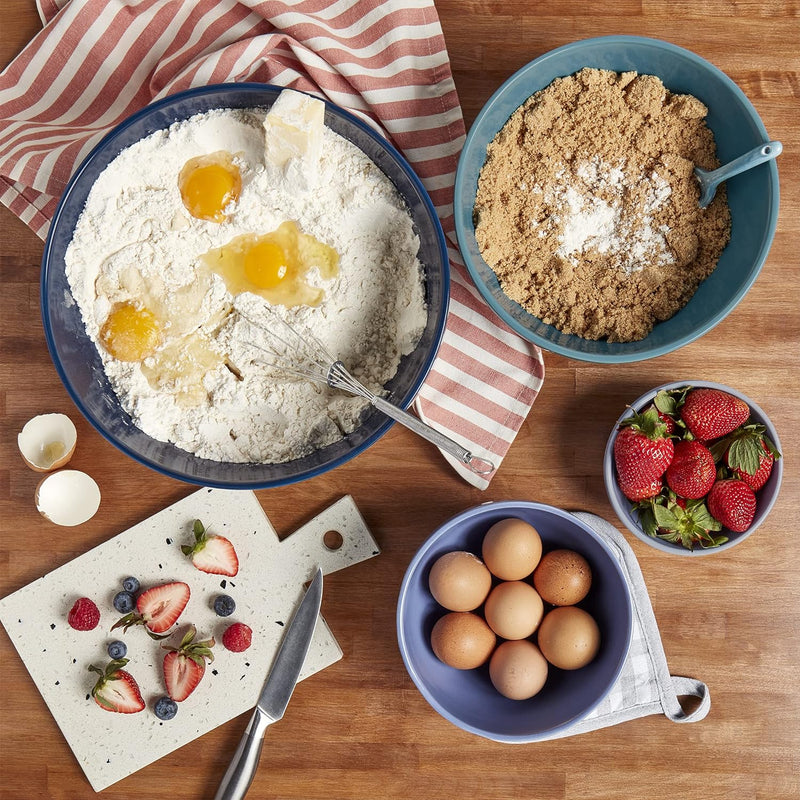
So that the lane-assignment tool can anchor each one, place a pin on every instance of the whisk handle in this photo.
(480, 466)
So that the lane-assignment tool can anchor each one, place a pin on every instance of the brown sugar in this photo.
(587, 205)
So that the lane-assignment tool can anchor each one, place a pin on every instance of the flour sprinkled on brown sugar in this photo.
(587, 206)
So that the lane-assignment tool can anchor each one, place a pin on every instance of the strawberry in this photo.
(185, 665)
(711, 413)
(761, 475)
(642, 453)
(637, 490)
(733, 503)
(680, 521)
(212, 553)
(237, 637)
(84, 615)
(116, 689)
(749, 453)
(692, 472)
(157, 609)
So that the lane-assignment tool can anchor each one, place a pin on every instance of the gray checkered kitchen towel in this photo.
(645, 685)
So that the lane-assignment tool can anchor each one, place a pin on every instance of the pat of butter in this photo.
(293, 128)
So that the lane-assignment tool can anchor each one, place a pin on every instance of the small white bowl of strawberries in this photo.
(693, 467)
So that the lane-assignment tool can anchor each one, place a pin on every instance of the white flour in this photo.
(601, 208)
(135, 240)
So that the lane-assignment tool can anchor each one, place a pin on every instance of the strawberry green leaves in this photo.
(690, 526)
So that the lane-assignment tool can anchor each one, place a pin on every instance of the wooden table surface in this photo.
(360, 729)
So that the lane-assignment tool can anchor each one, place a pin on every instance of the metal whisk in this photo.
(305, 356)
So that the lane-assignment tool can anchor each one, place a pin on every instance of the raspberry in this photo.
(237, 637)
(84, 615)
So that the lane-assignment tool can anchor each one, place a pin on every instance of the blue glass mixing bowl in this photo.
(752, 196)
(79, 365)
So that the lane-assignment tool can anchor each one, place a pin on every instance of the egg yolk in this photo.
(130, 333)
(265, 264)
(275, 265)
(209, 184)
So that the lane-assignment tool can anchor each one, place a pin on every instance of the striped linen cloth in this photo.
(97, 61)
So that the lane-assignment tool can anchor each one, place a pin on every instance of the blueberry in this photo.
(123, 602)
(130, 585)
(165, 708)
(117, 649)
(224, 605)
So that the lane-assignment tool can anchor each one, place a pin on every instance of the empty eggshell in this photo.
(47, 442)
(67, 497)
(459, 581)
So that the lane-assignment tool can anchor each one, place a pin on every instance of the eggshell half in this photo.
(68, 497)
(47, 442)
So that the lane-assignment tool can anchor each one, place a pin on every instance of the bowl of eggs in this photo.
(528, 194)
(514, 620)
(205, 210)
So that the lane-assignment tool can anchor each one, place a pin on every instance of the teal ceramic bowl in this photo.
(753, 196)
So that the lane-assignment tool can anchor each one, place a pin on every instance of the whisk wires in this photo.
(303, 355)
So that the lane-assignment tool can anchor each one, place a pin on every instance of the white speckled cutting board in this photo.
(269, 585)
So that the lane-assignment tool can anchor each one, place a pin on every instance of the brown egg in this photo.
(511, 549)
(563, 577)
(462, 640)
(569, 637)
(513, 609)
(518, 670)
(459, 581)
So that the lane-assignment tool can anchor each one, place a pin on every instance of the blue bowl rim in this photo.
(417, 562)
(660, 544)
(463, 234)
(257, 89)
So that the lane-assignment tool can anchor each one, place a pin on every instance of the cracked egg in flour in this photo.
(229, 213)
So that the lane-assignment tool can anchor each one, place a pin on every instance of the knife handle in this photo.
(243, 766)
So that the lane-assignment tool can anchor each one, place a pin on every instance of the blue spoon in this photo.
(710, 179)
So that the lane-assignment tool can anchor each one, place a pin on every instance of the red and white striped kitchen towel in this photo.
(97, 61)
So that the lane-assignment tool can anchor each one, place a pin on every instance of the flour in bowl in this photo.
(151, 271)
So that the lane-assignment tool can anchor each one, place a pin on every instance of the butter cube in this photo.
(293, 129)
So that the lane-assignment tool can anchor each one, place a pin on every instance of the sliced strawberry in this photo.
(185, 665)
(116, 690)
(158, 608)
(692, 472)
(212, 553)
(711, 413)
(733, 503)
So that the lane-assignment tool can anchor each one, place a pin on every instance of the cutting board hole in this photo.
(333, 540)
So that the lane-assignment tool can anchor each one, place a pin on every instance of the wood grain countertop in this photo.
(360, 729)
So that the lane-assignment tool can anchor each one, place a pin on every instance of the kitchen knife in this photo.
(275, 695)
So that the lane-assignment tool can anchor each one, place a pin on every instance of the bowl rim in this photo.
(620, 509)
(258, 90)
(417, 563)
(465, 231)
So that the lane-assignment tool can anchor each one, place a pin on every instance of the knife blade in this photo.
(275, 695)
